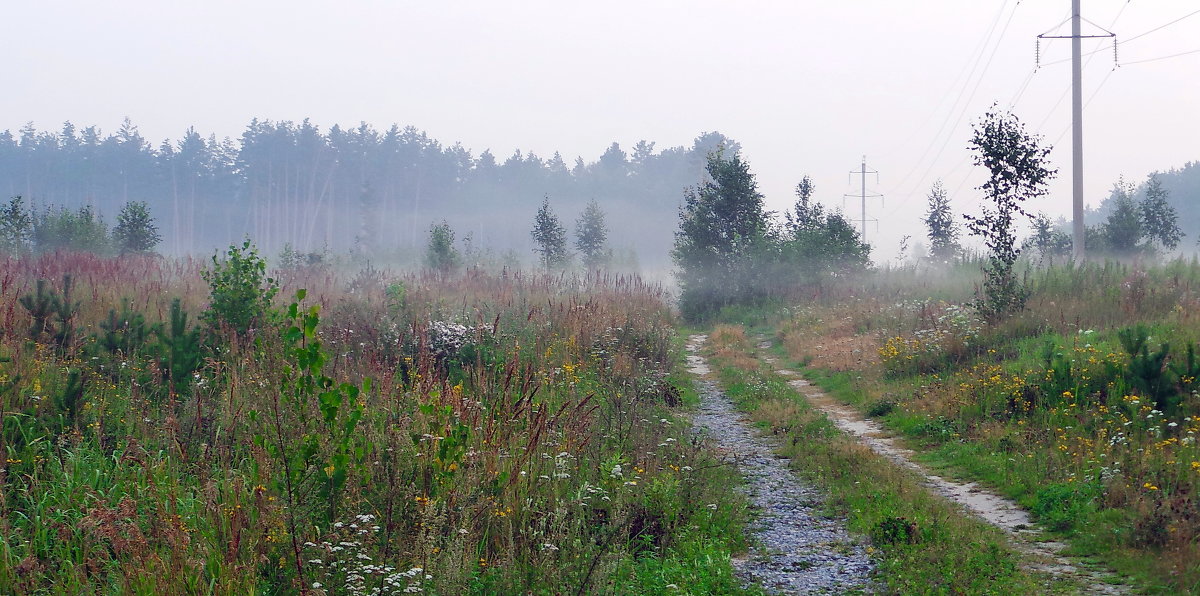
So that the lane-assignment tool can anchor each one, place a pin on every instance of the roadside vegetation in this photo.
(217, 427)
(1083, 406)
(921, 543)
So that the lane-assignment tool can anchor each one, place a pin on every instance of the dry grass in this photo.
(828, 339)
(729, 344)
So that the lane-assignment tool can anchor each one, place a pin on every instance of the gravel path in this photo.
(798, 550)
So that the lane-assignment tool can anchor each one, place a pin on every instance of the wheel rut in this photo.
(797, 550)
(1044, 556)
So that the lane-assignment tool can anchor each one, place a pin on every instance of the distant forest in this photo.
(362, 190)
(1183, 193)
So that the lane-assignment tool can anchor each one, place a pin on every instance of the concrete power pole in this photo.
(862, 172)
(1077, 235)
(1077, 230)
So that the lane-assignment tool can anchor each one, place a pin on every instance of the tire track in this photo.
(1044, 556)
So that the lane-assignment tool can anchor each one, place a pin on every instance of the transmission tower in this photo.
(863, 196)
(1077, 231)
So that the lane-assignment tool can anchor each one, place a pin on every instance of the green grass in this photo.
(921, 544)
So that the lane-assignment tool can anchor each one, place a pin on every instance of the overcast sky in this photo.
(807, 87)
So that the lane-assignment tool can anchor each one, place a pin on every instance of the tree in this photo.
(240, 293)
(1018, 171)
(440, 254)
(814, 243)
(591, 236)
(135, 231)
(1123, 228)
(57, 228)
(1047, 239)
(722, 225)
(550, 237)
(939, 221)
(1160, 222)
(16, 227)
(805, 214)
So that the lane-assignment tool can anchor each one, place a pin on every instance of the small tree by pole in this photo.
(939, 221)
(1160, 222)
(1018, 168)
(550, 237)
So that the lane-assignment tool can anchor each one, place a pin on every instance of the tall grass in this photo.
(473, 434)
(1055, 406)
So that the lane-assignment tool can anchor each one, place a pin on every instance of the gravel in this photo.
(798, 549)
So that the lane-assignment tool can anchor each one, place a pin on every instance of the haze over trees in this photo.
(362, 190)
(730, 251)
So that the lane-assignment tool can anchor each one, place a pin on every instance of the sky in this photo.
(806, 87)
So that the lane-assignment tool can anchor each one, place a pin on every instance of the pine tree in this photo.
(939, 221)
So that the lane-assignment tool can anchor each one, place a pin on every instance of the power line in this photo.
(978, 53)
(981, 49)
(1160, 27)
(966, 104)
(1161, 57)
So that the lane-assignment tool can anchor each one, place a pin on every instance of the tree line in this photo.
(362, 190)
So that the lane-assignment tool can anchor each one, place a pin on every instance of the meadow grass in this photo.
(378, 433)
(1083, 407)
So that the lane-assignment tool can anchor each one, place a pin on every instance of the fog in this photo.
(805, 88)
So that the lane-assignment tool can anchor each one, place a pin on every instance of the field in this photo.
(175, 427)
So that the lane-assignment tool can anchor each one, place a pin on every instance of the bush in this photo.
(240, 292)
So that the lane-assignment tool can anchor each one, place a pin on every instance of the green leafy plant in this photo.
(240, 292)
(321, 455)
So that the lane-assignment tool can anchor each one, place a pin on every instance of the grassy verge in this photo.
(1084, 407)
(921, 543)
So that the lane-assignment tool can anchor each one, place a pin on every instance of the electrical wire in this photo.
(1161, 27)
(963, 111)
(1161, 57)
(981, 49)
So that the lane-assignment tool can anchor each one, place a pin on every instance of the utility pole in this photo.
(1078, 250)
(862, 172)
(1077, 235)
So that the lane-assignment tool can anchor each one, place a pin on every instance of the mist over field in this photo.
(648, 298)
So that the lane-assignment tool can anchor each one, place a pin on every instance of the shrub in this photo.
(240, 292)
